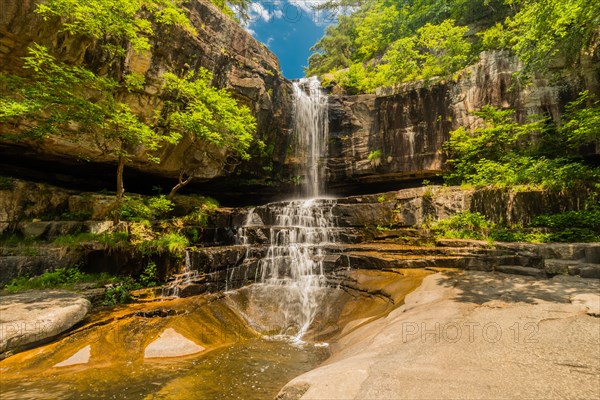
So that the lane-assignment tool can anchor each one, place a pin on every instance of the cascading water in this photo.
(293, 267)
(187, 277)
(311, 127)
(299, 230)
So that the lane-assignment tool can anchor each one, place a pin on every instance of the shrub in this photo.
(117, 295)
(149, 278)
(114, 240)
(59, 278)
(572, 226)
(160, 206)
(134, 209)
(173, 243)
(465, 225)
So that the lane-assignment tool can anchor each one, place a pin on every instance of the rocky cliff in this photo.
(238, 62)
(403, 128)
(383, 141)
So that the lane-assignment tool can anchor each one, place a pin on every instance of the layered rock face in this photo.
(404, 128)
(386, 231)
(238, 62)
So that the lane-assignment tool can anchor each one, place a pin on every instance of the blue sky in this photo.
(289, 28)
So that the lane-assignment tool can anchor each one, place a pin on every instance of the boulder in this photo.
(34, 317)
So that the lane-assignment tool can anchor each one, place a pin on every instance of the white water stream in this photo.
(187, 277)
(311, 127)
(299, 229)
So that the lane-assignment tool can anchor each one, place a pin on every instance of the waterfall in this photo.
(292, 268)
(187, 277)
(311, 127)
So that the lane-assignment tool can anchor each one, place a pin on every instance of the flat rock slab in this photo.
(31, 317)
(171, 343)
(590, 301)
(81, 357)
(469, 335)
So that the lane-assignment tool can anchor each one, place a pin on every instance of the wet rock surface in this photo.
(216, 345)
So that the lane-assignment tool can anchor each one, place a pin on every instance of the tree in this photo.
(115, 21)
(504, 152)
(58, 99)
(380, 26)
(444, 47)
(195, 108)
(581, 120)
(335, 50)
(542, 30)
(403, 61)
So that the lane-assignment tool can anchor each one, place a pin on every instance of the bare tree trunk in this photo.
(182, 183)
(120, 188)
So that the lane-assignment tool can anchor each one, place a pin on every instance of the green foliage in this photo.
(515, 235)
(197, 209)
(14, 240)
(504, 152)
(399, 41)
(59, 278)
(198, 217)
(45, 101)
(569, 227)
(402, 41)
(447, 51)
(465, 225)
(495, 38)
(112, 241)
(196, 108)
(375, 158)
(134, 82)
(582, 120)
(173, 243)
(149, 277)
(76, 216)
(135, 209)
(381, 228)
(335, 50)
(377, 30)
(434, 50)
(160, 205)
(543, 30)
(119, 294)
(403, 60)
(115, 21)
(60, 99)
(374, 155)
(581, 219)
(141, 209)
